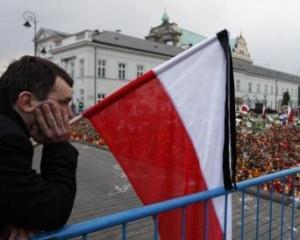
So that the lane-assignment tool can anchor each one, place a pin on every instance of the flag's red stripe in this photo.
(147, 137)
(132, 86)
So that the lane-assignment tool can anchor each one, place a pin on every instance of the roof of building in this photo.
(232, 43)
(189, 38)
(249, 68)
(122, 40)
(52, 32)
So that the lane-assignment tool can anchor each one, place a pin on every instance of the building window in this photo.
(122, 70)
(81, 68)
(101, 68)
(282, 91)
(69, 65)
(258, 88)
(266, 89)
(81, 94)
(249, 87)
(139, 70)
(276, 90)
(72, 68)
(238, 85)
(272, 89)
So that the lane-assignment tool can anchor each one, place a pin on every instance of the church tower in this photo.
(240, 50)
(167, 33)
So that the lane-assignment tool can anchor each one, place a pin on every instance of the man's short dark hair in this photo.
(32, 74)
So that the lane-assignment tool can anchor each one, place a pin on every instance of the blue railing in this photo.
(286, 200)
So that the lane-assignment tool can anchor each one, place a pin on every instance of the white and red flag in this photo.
(173, 132)
(244, 109)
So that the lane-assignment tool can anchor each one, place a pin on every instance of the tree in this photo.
(285, 99)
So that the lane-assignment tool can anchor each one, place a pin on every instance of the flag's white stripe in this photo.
(195, 82)
(182, 56)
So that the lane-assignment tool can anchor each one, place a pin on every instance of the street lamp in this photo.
(30, 19)
(43, 51)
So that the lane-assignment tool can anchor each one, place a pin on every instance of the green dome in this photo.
(165, 17)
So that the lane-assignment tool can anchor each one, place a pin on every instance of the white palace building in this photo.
(101, 62)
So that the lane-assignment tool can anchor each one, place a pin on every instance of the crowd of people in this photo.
(264, 146)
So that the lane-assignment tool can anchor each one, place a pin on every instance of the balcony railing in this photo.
(283, 197)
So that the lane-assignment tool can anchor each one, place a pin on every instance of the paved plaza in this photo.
(103, 189)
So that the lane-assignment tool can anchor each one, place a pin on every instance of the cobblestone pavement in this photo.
(103, 189)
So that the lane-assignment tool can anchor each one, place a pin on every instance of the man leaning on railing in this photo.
(34, 103)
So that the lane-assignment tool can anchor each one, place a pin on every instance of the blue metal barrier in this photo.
(123, 218)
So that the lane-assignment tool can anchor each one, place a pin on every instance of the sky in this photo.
(270, 27)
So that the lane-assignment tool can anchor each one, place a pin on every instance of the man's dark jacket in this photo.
(27, 199)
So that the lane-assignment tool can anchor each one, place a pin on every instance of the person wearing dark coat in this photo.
(34, 104)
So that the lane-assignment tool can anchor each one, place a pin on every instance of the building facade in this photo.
(259, 85)
(101, 62)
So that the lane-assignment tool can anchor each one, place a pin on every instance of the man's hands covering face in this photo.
(51, 123)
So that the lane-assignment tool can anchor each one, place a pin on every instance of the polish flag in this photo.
(173, 132)
(244, 109)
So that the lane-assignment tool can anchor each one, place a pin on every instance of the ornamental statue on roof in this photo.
(239, 49)
(171, 34)
(167, 33)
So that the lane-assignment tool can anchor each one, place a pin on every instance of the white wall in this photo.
(111, 82)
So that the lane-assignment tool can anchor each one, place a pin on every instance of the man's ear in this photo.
(26, 102)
